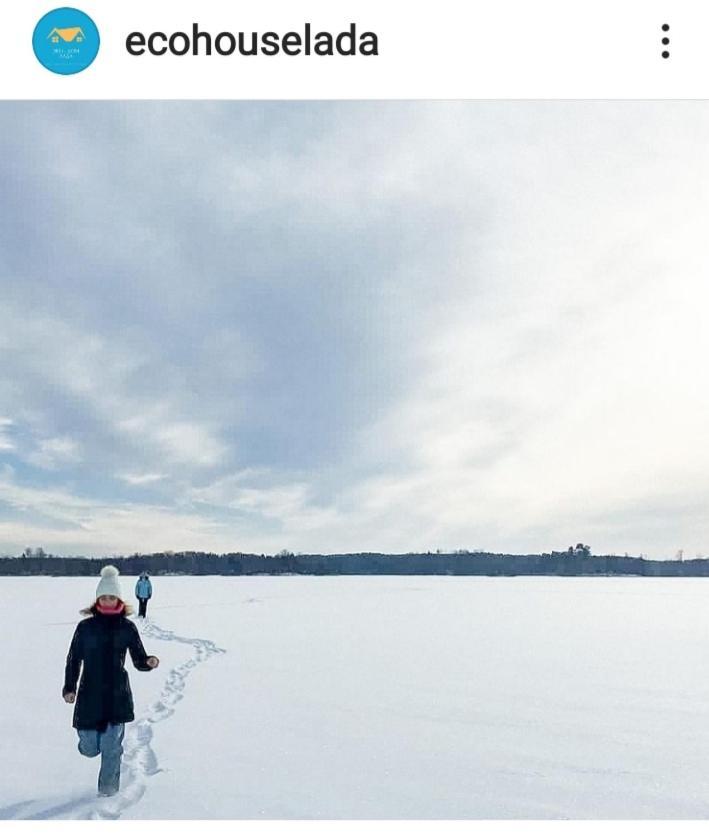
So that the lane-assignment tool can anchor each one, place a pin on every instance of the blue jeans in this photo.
(107, 744)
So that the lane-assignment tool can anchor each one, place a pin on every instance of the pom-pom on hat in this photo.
(109, 583)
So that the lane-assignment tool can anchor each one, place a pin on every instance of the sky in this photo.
(354, 326)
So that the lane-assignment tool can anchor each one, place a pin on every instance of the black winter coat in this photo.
(100, 643)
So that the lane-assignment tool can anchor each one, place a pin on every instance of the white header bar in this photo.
(443, 49)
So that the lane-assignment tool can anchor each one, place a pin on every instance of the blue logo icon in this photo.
(65, 41)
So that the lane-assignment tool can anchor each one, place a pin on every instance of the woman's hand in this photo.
(152, 661)
(70, 696)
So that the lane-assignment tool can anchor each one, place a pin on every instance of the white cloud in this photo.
(490, 335)
(100, 376)
(61, 521)
(260, 494)
(189, 442)
(141, 478)
(52, 453)
(6, 442)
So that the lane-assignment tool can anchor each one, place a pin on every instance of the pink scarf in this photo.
(117, 610)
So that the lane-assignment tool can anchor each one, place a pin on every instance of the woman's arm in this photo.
(73, 664)
(141, 660)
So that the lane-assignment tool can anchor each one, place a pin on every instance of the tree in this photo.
(579, 550)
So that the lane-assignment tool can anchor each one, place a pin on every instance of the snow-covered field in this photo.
(347, 698)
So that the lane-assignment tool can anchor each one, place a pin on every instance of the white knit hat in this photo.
(109, 583)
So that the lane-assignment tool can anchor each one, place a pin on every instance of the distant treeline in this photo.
(286, 563)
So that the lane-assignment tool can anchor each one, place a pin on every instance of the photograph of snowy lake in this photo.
(301, 330)
(377, 697)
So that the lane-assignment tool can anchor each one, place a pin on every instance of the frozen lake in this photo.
(376, 697)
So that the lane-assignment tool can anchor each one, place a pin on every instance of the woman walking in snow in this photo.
(143, 592)
(104, 702)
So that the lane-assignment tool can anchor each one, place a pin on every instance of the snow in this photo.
(375, 698)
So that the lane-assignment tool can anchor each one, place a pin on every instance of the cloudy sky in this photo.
(354, 326)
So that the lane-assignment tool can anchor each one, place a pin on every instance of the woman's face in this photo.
(108, 600)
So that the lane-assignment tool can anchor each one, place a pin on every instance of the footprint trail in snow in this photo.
(139, 759)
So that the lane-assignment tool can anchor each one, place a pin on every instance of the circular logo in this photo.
(65, 41)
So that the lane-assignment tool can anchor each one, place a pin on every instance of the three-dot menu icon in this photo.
(665, 40)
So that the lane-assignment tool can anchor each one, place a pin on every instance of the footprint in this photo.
(139, 759)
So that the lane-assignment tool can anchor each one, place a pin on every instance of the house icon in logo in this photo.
(65, 41)
(75, 35)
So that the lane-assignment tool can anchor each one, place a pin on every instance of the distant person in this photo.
(104, 703)
(143, 592)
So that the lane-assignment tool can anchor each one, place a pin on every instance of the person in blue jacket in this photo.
(143, 592)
